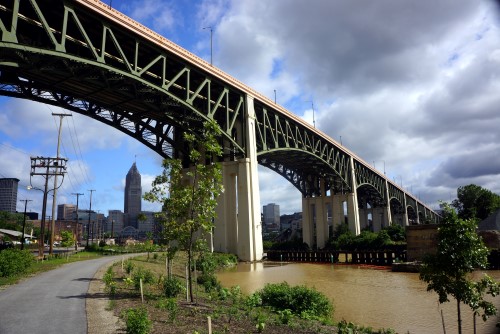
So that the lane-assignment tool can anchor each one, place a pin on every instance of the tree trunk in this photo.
(459, 317)
(167, 266)
(190, 279)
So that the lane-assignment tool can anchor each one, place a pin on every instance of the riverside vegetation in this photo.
(165, 308)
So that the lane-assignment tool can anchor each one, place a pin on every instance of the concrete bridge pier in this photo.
(238, 226)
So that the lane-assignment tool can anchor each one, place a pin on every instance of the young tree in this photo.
(188, 194)
(460, 251)
(67, 239)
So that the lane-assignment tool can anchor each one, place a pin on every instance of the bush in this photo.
(210, 262)
(209, 282)
(146, 275)
(137, 321)
(109, 280)
(172, 287)
(300, 300)
(14, 261)
(129, 266)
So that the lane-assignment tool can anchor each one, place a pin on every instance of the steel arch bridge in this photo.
(83, 56)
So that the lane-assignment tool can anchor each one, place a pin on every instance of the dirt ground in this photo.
(104, 313)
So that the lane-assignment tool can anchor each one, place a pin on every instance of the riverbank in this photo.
(229, 312)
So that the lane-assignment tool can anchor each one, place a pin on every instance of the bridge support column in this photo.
(405, 212)
(338, 215)
(307, 221)
(378, 218)
(225, 234)
(249, 219)
(352, 203)
(363, 215)
(238, 227)
(321, 222)
(388, 203)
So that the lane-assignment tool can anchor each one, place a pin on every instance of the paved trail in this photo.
(52, 302)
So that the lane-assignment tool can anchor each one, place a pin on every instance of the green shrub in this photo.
(285, 316)
(208, 281)
(169, 304)
(172, 287)
(129, 266)
(109, 281)
(92, 248)
(137, 321)
(15, 261)
(300, 300)
(146, 275)
(210, 262)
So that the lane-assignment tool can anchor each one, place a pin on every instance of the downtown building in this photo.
(135, 223)
(66, 212)
(271, 217)
(8, 194)
(133, 197)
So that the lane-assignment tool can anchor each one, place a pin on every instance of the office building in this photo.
(66, 211)
(271, 217)
(133, 194)
(8, 194)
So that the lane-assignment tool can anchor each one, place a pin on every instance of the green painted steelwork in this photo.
(66, 54)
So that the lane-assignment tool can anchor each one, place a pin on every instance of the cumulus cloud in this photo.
(404, 85)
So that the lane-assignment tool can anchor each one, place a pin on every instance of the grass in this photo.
(51, 263)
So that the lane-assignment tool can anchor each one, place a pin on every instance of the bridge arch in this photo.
(84, 56)
(90, 66)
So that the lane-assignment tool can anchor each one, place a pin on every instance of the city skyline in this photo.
(411, 91)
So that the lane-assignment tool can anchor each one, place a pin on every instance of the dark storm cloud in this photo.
(468, 166)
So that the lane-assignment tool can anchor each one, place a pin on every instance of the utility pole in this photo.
(46, 167)
(88, 225)
(24, 221)
(76, 224)
(51, 249)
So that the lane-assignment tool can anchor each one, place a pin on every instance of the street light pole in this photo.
(24, 221)
(211, 52)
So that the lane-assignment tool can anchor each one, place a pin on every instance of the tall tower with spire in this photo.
(133, 193)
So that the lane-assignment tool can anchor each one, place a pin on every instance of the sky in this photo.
(411, 87)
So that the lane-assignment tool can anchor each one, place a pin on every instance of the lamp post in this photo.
(312, 106)
(211, 53)
(24, 221)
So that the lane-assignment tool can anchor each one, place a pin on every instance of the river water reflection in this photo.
(369, 297)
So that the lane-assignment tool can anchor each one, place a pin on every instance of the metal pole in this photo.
(61, 116)
(76, 224)
(211, 48)
(24, 221)
(90, 210)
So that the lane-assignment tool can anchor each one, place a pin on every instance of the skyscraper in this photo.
(133, 192)
(8, 194)
(271, 216)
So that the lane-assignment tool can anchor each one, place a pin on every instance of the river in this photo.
(377, 298)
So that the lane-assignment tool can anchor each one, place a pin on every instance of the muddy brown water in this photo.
(377, 298)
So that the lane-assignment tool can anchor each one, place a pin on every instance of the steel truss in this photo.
(83, 56)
